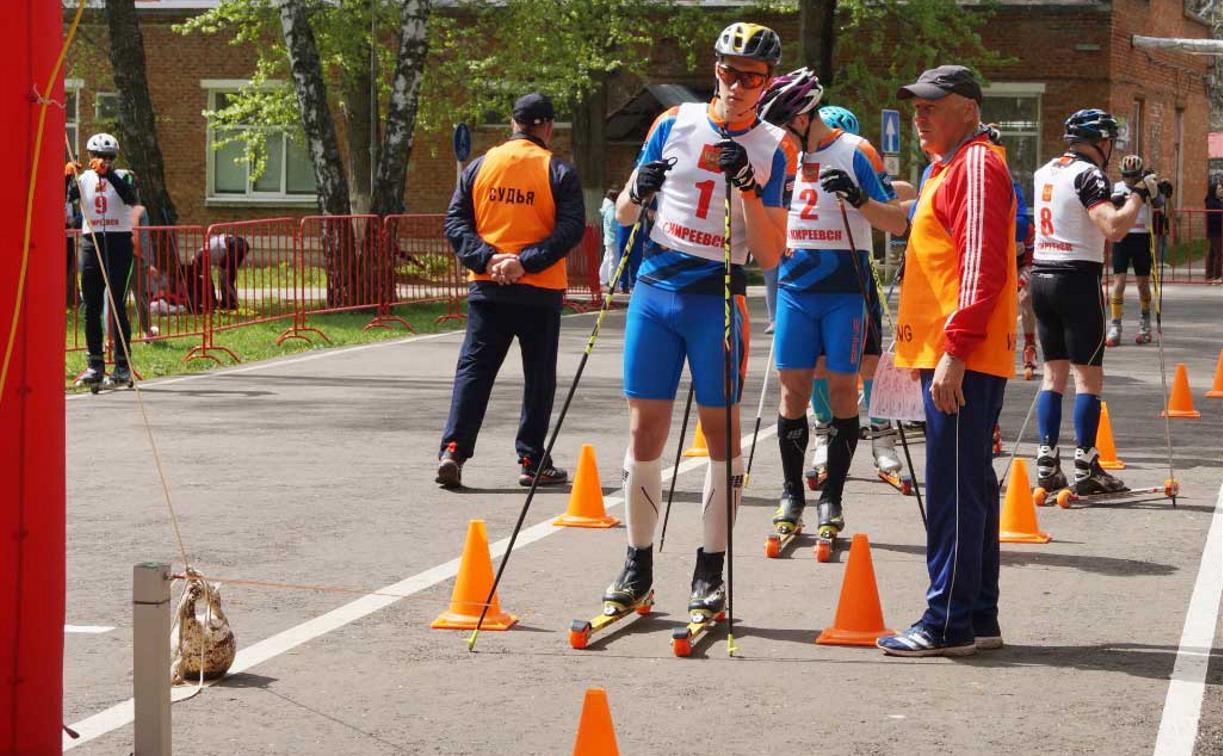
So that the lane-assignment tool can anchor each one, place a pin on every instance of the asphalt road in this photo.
(318, 470)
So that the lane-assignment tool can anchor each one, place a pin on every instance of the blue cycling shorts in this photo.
(813, 323)
(664, 328)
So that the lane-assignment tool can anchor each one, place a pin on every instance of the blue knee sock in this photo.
(1049, 417)
(1086, 419)
(819, 401)
(867, 385)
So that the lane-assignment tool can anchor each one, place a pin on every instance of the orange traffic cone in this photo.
(1018, 523)
(586, 498)
(596, 735)
(1216, 391)
(1105, 442)
(471, 589)
(699, 446)
(1180, 403)
(859, 620)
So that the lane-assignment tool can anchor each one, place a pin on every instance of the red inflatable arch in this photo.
(32, 397)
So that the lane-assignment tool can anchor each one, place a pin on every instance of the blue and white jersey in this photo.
(690, 221)
(818, 258)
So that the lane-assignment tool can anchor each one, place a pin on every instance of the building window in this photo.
(106, 107)
(288, 171)
(72, 115)
(1015, 108)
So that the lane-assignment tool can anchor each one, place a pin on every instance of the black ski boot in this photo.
(1089, 477)
(633, 584)
(92, 377)
(1049, 475)
(831, 515)
(708, 598)
(789, 515)
(121, 376)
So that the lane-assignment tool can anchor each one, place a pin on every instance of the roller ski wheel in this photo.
(1113, 337)
(900, 481)
(1142, 338)
(826, 543)
(699, 623)
(1040, 497)
(1029, 372)
(776, 543)
(816, 478)
(997, 448)
(1029, 362)
(581, 631)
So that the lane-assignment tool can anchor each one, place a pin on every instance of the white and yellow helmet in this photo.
(750, 41)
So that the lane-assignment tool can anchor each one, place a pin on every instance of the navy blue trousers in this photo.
(491, 328)
(962, 510)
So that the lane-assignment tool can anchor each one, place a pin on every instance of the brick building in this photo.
(1069, 54)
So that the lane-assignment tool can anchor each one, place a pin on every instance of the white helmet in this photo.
(103, 144)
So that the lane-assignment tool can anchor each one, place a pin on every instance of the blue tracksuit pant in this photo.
(962, 510)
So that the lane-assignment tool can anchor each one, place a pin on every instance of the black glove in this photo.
(839, 182)
(732, 159)
(649, 180)
(1119, 199)
(1147, 186)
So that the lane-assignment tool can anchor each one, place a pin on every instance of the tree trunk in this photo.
(137, 121)
(590, 148)
(817, 33)
(402, 107)
(361, 124)
(311, 88)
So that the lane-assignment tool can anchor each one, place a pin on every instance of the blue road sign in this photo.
(462, 142)
(889, 132)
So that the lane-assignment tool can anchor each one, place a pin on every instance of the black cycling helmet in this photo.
(1091, 125)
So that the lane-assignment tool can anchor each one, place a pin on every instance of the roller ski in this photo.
(887, 464)
(1144, 329)
(817, 474)
(91, 378)
(631, 593)
(832, 522)
(787, 524)
(1049, 476)
(997, 442)
(1067, 497)
(707, 604)
(1113, 338)
(1029, 362)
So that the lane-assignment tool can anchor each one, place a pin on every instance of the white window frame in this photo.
(214, 87)
(1025, 89)
(74, 86)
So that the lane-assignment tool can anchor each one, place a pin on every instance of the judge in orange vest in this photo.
(516, 214)
(956, 327)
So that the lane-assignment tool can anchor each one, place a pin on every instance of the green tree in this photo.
(569, 49)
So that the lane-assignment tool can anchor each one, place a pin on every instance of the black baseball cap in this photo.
(533, 108)
(937, 83)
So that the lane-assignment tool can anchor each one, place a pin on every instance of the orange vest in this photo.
(514, 208)
(930, 293)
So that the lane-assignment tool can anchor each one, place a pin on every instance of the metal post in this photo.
(151, 657)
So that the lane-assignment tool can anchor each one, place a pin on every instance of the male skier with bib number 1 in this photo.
(676, 311)
(823, 288)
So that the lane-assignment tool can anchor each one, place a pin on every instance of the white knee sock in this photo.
(642, 499)
(713, 496)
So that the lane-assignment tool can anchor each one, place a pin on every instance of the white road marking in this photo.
(88, 629)
(120, 715)
(1178, 729)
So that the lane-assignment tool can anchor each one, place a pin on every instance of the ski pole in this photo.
(904, 444)
(1159, 338)
(556, 429)
(728, 384)
(764, 389)
(1022, 429)
(679, 452)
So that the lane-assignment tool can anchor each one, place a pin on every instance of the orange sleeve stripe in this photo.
(668, 113)
(866, 148)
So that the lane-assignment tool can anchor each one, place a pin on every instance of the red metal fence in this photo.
(192, 282)
(1187, 244)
